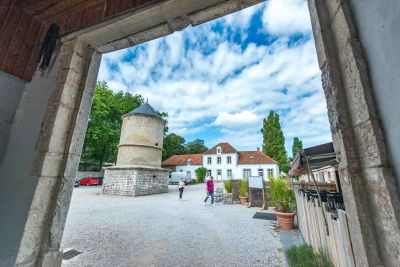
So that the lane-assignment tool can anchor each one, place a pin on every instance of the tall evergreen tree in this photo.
(274, 141)
(297, 146)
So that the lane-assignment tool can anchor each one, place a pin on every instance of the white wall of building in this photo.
(254, 169)
(188, 168)
(237, 170)
(224, 166)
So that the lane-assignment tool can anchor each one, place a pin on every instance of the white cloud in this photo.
(235, 120)
(205, 80)
(285, 17)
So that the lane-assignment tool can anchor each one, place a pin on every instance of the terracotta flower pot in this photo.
(243, 200)
(286, 220)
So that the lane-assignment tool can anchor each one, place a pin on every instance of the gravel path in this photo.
(161, 230)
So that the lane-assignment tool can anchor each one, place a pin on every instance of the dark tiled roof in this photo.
(181, 160)
(144, 109)
(254, 157)
(225, 148)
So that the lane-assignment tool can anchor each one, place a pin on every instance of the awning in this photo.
(316, 157)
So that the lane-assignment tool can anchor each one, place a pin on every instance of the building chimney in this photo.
(258, 148)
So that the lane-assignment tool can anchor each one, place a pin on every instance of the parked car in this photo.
(89, 180)
(175, 177)
(76, 184)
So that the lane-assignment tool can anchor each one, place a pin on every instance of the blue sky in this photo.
(217, 81)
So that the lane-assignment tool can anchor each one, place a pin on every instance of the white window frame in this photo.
(229, 173)
(209, 161)
(270, 173)
(246, 171)
(219, 173)
(189, 162)
(261, 171)
(209, 173)
(219, 150)
(219, 160)
(229, 160)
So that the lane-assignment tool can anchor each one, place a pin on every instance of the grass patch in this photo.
(304, 256)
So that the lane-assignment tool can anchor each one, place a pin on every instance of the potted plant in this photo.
(283, 198)
(228, 186)
(243, 191)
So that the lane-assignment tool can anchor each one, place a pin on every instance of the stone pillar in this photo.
(57, 153)
(367, 181)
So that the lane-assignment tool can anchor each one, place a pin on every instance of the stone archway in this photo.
(367, 180)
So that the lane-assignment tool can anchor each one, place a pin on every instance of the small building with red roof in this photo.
(187, 163)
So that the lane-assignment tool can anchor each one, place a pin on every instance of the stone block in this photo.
(370, 144)
(49, 165)
(78, 135)
(333, 6)
(37, 220)
(61, 129)
(71, 167)
(61, 209)
(52, 259)
(316, 27)
(91, 75)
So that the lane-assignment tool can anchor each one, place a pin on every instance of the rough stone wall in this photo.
(48, 132)
(377, 22)
(367, 182)
(135, 182)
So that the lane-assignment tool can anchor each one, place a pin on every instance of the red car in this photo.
(89, 180)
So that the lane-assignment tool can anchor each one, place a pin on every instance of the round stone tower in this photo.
(141, 138)
(138, 171)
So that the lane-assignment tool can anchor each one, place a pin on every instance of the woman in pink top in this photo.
(210, 191)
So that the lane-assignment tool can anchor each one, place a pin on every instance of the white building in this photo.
(224, 162)
(187, 163)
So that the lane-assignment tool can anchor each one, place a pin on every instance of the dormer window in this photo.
(251, 157)
(219, 150)
(189, 162)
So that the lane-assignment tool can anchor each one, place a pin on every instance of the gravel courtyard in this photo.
(161, 230)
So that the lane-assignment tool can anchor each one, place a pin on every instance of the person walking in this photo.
(210, 191)
(181, 186)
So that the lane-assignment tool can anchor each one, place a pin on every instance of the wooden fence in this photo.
(333, 237)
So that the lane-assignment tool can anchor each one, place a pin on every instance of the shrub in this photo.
(201, 174)
(194, 181)
(244, 187)
(304, 256)
(228, 186)
(281, 195)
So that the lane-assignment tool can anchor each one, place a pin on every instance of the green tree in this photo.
(173, 145)
(274, 141)
(104, 127)
(196, 146)
(297, 146)
(201, 174)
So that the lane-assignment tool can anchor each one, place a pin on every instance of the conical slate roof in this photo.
(145, 109)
